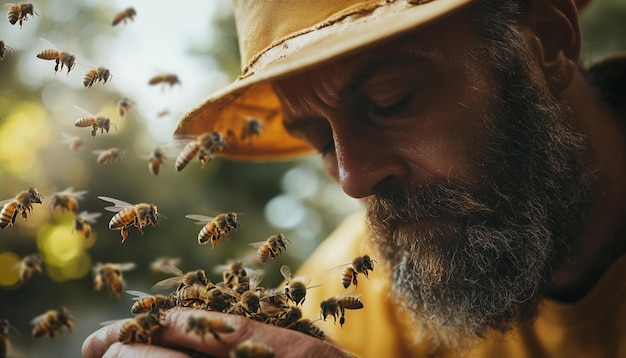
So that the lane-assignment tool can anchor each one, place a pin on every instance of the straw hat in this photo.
(282, 37)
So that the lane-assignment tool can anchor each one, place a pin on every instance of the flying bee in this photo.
(164, 264)
(197, 277)
(252, 128)
(27, 265)
(138, 215)
(202, 325)
(60, 57)
(111, 276)
(96, 122)
(156, 161)
(360, 264)
(295, 288)
(165, 79)
(272, 248)
(124, 105)
(250, 349)
(75, 143)
(19, 12)
(204, 145)
(22, 204)
(4, 49)
(96, 75)
(141, 329)
(124, 15)
(109, 156)
(83, 221)
(215, 228)
(67, 199)
(335, 306)
(150, 303)
(52, 322)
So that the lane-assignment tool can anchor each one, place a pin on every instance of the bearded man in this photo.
(490, 164)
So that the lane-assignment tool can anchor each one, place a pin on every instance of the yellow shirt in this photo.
(593, 327)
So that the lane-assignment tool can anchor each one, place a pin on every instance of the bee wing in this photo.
(49, 43)
(200, 219)
(258, 244)
(83, 112)
(169, 266)
(348, 293)
(35, 321)
(137, 295)
(119, 204)
(286, 272)
(256, 277)
(89, 217)
(167, 283)
(126, 266)
(337, 267)
(6, 201)
(70, 191)
(67, 138)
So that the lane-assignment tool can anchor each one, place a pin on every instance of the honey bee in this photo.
(4, 49)
(111, 276)
(250, 349)
(141, 329)
(5, 344)
(20, 12)
(285, 317)
(204, 145)
(150, 303)
(164, 264)
(295, 288)
(83, 221)
(29, 264)
(165, 79)
(156, 161)
(234, 275)
(52, 322)
(252, 127)
(67, 199)
(96, 122)
(61, 58)
(124, 105)
(338, 305)
(202, 325)
(123, 16)
(215, 228)
(272, 248)
(109, 156)
(194, 295)
(248, 302)
(197, 277)
(22, 204)
(75, 143)
(306, 326)
(361, 264)
(138, 215)
(96, 75)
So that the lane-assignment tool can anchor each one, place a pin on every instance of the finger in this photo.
(138, 350)
(284, 342)
(99, 341)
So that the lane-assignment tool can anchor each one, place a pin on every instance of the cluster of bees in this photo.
(240, 291)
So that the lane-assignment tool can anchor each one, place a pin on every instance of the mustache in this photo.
(443, 200)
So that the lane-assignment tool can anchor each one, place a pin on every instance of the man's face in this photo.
(473, 191)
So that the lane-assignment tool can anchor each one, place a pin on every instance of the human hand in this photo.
(171, 340)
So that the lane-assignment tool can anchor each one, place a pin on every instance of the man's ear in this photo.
(557, 42)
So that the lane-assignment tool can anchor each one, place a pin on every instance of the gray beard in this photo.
(488, 250)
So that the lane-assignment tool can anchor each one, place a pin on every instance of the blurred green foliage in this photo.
(36, 108)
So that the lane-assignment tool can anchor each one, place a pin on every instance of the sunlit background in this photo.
(195, 40)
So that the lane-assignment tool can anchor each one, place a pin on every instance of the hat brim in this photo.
(252, 95)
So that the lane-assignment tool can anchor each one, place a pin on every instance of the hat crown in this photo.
(263, 23)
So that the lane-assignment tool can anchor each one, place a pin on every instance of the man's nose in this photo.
(366, 164)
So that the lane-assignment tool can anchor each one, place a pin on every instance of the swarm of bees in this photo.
(97, 75)
(204, 145)
(139, 215)
(19, 12)
(52, 322)
(22, 204)
(215, 228)
(124, 15)
(111, 276)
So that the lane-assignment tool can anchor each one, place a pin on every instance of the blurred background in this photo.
(38, 107)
